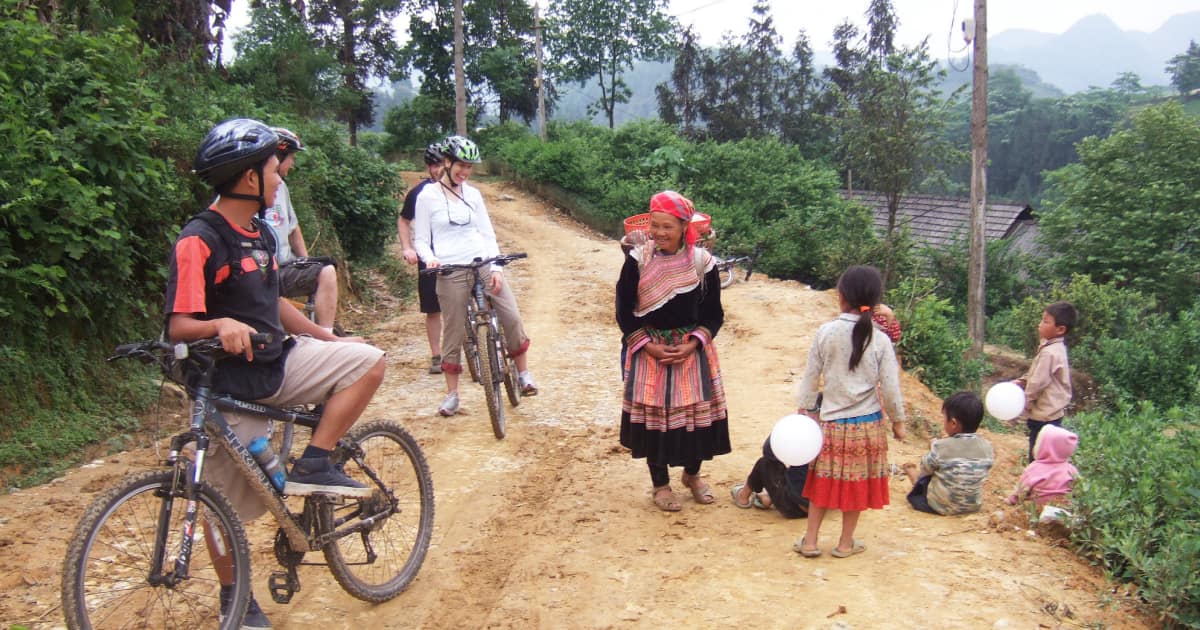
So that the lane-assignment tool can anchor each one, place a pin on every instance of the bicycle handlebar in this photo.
(501, 260)
(309, 261)
(210, 346)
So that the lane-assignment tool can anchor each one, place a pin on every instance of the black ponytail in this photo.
(862, 288)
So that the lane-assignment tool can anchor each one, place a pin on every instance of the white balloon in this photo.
(1005, 400)
(796, 439)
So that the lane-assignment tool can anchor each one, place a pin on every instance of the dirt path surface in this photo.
(553, 526)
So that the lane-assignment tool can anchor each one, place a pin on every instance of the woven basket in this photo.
(701, 221)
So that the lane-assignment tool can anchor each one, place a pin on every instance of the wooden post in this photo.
(460, 81)
(978, 258)
(541, 92)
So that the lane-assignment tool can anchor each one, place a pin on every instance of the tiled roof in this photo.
(941, 221)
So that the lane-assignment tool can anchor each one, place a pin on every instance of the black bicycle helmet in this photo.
(232, 148)
(289, 142)
(460, 149)
(434, 153)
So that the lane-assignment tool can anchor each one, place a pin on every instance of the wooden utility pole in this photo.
(978, 258)
(460, 81)
(541, 92)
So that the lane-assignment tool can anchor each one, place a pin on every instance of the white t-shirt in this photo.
(282, 218)
(461, 227)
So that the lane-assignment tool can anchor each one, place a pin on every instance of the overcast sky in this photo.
(919, 18)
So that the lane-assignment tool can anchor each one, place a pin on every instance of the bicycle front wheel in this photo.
(379, 562)
(490, 376)
(120, 565)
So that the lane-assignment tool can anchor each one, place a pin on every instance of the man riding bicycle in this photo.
(299, 276)
(223, 282)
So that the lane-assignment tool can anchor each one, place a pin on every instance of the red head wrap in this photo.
(676, 205)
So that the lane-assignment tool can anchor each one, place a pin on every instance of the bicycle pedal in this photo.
(283, 586)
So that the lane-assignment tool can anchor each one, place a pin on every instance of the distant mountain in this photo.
(641, 79)
(1094, 51)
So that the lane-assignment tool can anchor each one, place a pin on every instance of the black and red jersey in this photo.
(218, 269)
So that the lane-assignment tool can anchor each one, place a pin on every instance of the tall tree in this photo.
(1184, 69)
(278, 58)
(891, 128)
(765, 71)
(498, 55)
(1128, 212)
(680, 101)
(361, 33)
(600, 39)
(881, 30)
(800, 122)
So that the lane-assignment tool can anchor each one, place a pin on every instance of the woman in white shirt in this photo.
(452, 215)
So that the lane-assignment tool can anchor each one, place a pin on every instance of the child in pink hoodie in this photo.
(1050, 475)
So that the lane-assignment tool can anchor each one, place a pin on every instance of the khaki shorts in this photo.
(314, 371)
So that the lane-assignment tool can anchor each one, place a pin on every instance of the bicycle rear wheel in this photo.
(135, 528)
(511, 387)
(490, 377)
(379, 562)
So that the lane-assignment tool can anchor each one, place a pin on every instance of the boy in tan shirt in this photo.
(1047, 384)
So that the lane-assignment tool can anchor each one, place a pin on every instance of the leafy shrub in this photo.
(1007, 279)
(1105, 311)
(1137, 503)
(348, 189)
(1121, 341)
(934, 344)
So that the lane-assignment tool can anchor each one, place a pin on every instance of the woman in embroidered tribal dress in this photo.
(669, 309)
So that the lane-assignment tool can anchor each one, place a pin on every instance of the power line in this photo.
(701, 7)
(950, 52)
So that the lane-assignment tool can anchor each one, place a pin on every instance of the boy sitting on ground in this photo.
(951, 475)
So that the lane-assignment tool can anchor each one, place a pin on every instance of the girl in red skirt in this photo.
(854, 358)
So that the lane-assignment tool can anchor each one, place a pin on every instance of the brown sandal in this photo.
(701, 491)
(664, 498)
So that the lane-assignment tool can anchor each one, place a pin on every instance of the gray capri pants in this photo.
(453, 291)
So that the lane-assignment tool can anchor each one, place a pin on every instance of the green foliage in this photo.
(1006, 279)
(602, 38)
(1129, 209)
(1137, 503)
(50, 414)
(348, 189)
(78, 122)
(278, 59)
(1120, 341)
(934, 343)
(1184, 69)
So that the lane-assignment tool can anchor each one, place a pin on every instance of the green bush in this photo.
(934, 343)
(1121, 341)
(1137, 502)
(347, 189)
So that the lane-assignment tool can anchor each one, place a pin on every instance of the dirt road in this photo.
(553, 527)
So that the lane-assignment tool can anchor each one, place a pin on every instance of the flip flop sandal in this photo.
(757, 501)
(857, 547)
(798, 547)
(666, 501)
(704, 494)
(735, 491)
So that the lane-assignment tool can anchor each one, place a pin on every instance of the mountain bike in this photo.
(139, 556)
(725, 267)
(484, 349)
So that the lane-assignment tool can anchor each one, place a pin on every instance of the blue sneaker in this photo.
(312, 475)
(254, 619)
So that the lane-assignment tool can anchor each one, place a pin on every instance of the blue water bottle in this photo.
(261, 449)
